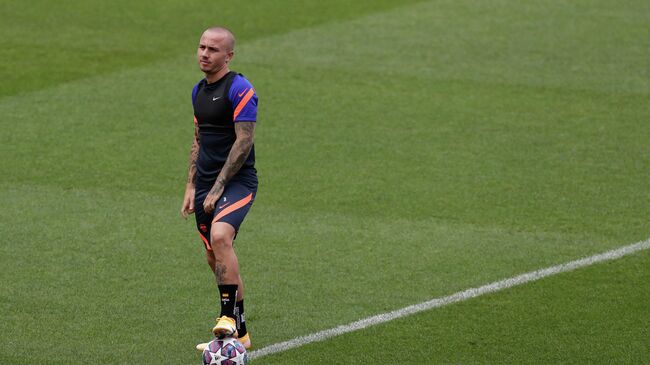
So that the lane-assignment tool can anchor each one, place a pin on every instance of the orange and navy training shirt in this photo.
(217, 107)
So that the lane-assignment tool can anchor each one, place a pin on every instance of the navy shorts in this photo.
(231, 208)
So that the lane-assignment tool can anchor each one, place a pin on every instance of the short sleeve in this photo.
(244, 100)
(195, 90)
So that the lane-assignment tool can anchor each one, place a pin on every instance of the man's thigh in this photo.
(231, 208)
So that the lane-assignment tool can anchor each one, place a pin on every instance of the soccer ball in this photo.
(226, 351)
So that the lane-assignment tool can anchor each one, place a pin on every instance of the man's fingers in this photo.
(187, 210)
(208, 205)
(211, 200)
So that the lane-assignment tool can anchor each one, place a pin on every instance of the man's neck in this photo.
(214, 77)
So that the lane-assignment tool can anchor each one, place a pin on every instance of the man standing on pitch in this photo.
(222, 179)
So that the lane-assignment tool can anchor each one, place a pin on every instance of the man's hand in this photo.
(188, 200)
(213, 196)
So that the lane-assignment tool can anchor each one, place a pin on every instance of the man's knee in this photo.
(220, 238)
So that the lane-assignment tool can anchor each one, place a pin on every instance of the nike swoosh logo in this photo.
(216, 98)
(242, 93)
(223, 206)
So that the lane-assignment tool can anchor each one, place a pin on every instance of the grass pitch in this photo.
(406, 151)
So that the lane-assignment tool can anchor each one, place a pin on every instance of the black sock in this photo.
(241, 320)
(228, 296)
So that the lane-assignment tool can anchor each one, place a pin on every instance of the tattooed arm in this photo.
(245, 132)
(188, 199)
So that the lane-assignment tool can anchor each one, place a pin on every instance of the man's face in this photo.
(214, 52)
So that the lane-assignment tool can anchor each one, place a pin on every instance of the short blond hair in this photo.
(230, 37)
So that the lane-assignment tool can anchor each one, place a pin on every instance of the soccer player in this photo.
(222, 180)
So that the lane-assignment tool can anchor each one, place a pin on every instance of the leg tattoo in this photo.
(220, 271)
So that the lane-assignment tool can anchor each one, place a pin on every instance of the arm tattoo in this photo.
(238, 153)
(194, 155)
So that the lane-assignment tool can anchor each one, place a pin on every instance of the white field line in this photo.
(453, 298)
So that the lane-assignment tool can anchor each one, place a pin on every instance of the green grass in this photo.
(405, 151)
(47, 43)
(593, 315)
